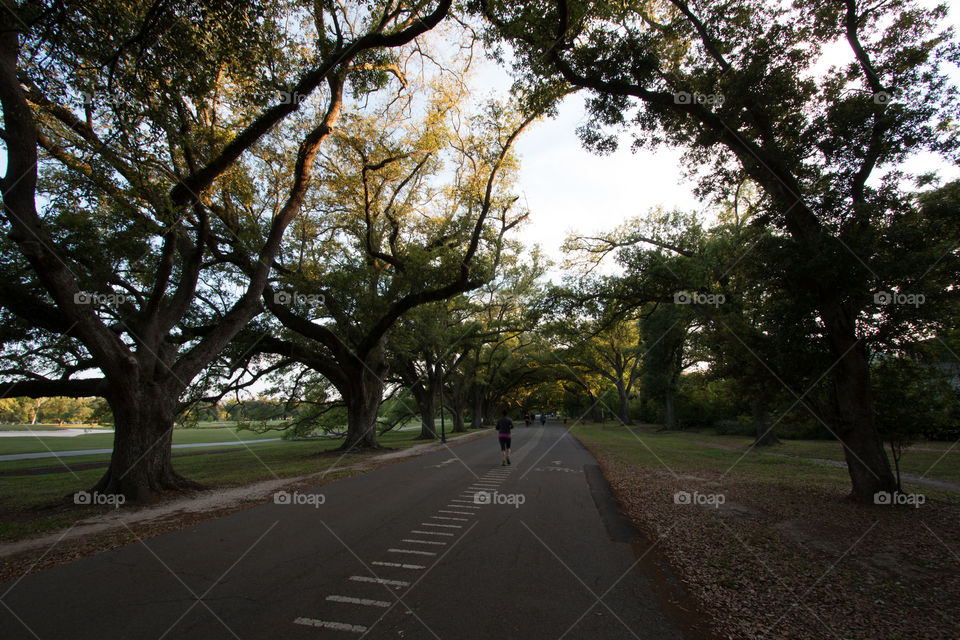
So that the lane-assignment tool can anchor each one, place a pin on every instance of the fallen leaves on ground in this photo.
(784, 560)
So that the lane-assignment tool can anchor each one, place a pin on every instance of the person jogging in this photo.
(504, 426)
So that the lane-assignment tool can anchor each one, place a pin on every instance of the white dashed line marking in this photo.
(398, 565)
(366, 602)
(449, 518)
(459, 513)
(415, 552)
(432, 533)
(436, 542)
(392, 583)
(336, 626)
(437, 524)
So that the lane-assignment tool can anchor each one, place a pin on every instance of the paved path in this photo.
(447, 545)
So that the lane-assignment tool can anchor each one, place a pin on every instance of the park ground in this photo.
(765, 542)
(769, 546)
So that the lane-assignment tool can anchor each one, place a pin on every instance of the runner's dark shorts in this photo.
(504, 443)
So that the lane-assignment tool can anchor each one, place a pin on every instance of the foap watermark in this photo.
(95, 498)
(709, 99)
(695, 297)
(495, 497)
(292, 97)
(103, 299)
(882, 97)
(295, 297)
(105, 99)
(700, 499)
(312, 499)
(898, 498)
(895, 297)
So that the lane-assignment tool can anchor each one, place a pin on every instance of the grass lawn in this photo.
(32, 503)
(43, 427)
(769, 545)
(935, 460)
(39, 444)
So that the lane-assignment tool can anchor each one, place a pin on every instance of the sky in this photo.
(568, 188)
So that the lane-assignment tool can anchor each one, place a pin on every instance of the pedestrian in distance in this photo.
(504, 427)
(526, 419)
(543, 419)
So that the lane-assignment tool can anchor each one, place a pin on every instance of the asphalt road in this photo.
(449, 545)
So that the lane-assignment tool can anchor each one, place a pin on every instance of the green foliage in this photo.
(54, 410)
(911, 400)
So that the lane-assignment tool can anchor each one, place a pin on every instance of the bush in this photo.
(739, 426)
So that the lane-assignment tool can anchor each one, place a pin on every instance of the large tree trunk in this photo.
(487, 412)
(624, 405)
(457, 409)
(362, 408)
(363, 395)
(476, 412)
(140, 465)
(459, 392)
(669, 410)
(427, 404)
(867, 461)
(761, 419)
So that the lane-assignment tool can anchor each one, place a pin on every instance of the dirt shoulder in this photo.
(784, 559)
(117, 527)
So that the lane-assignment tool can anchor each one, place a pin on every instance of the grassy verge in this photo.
(771, 547)
(935, 460)
(42, 444)
(42, 427)
(35, 503)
